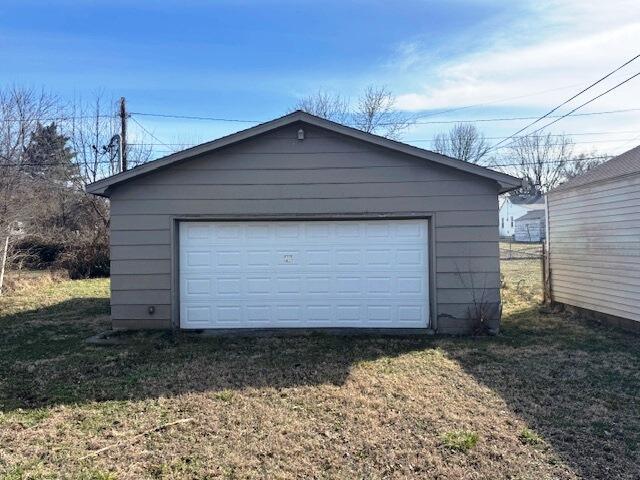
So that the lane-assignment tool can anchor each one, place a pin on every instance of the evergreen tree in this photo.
(48, 156)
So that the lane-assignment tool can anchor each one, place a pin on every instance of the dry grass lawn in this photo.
(550, 397)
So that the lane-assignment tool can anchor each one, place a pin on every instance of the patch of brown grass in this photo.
(23, 281)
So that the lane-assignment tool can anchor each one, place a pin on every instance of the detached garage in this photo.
(304, 223)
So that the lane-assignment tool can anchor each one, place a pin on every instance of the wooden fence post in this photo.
(543, 268)
(4, 260)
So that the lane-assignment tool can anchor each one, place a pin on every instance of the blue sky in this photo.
(252, 60)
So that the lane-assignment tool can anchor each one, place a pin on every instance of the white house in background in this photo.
(531, 227)
(515, 207)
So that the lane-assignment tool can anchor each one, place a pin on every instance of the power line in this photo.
(149, 133)
(499, 119)
(566, 134)
(235, 120)
(194, 117)
(55, 119)
(508, 119)
(571, 98)
(547, 162)
(493, 165)
(500, 100)
(586, 103)
(190, 145)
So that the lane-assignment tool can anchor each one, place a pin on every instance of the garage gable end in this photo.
(302, 134)
(277, 166)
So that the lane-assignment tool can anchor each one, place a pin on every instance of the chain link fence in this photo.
(510, 250)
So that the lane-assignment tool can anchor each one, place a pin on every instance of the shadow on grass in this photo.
(574, 382)
(46, 361)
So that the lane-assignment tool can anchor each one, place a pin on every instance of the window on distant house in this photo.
(511, 222)
(502, 223)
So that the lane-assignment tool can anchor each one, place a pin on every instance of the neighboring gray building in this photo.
(514, 207)
(304, 223)
(530, 227)
(594, 240)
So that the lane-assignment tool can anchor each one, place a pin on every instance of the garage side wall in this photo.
(594, 235)
(325, 175)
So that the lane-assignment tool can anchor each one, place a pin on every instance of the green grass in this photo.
(549, 397)
(461, 441)
(529, 436)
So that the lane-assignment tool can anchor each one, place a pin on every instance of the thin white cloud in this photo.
(563, 43)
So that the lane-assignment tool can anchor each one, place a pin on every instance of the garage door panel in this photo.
(197, 259)
(259, 315)
(292, 286)
(304, 274)
(410, 286)
(197, 286)
(198, 314)
(259, 286)
(318, 285)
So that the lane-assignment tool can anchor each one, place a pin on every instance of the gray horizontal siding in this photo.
(467, 249)
(141, 237)
(467, 234)
(136, 266)
(141, 297)
(139, 312)
(293, 205)
(315, 190)
(460, 311)
(595, 247)
(249, 179)
(140, 252)
(297, 176)
(467, 264)
(468, 295)
(130, 223)
(141, 281)
(468, 279)
(466, 218)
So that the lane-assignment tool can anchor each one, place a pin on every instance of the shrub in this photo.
(85, 259)
(33, 252)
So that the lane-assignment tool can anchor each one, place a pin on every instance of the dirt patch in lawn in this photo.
(547, 398)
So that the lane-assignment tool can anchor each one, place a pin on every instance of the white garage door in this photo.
(297, 274)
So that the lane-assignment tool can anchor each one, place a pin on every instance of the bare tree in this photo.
(91, 127)
(21, 111)
(374, 111)
(582, 163)
(464, 141)
(49, 152)
(541, 160)
(325, 104)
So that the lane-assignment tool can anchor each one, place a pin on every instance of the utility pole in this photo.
(123, 133)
